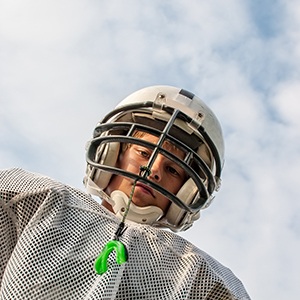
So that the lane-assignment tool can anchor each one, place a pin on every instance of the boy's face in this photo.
(163, 172)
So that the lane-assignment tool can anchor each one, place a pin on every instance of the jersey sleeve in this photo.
(21, 195)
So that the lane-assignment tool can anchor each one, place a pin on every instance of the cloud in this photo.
(65, 65)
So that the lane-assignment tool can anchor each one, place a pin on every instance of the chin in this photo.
(141, 203)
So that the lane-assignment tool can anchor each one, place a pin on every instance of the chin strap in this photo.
(144, 215)
(124, 208)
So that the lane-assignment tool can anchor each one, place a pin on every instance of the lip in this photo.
(145, 188)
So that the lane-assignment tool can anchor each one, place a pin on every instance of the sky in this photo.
(65, 64)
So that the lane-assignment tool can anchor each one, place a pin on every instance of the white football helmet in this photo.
(173, 115)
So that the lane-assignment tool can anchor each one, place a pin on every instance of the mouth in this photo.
(145, 188)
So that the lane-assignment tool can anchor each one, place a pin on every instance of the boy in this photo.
(155, 162)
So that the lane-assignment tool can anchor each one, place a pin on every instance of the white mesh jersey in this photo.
(51, 235)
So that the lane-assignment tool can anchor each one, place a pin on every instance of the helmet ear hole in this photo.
(108, 155)
(186, 194)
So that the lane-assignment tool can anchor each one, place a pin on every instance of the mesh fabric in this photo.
(51, 235)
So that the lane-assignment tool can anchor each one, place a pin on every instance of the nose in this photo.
(157, 169)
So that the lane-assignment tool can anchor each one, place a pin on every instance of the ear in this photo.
(108, 156)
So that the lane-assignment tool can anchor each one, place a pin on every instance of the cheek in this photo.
(175, 185)
(122, 162)
(164, 204)
(127, 162)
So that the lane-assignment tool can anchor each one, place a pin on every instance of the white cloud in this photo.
(37, 23)
(286, 104)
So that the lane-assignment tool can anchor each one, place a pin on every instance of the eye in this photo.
(173, 171)
(177, 172)
(143, 152)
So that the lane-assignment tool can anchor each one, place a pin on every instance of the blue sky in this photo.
(65, 64)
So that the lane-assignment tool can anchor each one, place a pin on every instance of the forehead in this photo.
(166, 145)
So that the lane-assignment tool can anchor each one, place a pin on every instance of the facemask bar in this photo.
(157, 150)
(144, 106)
(164, 135)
